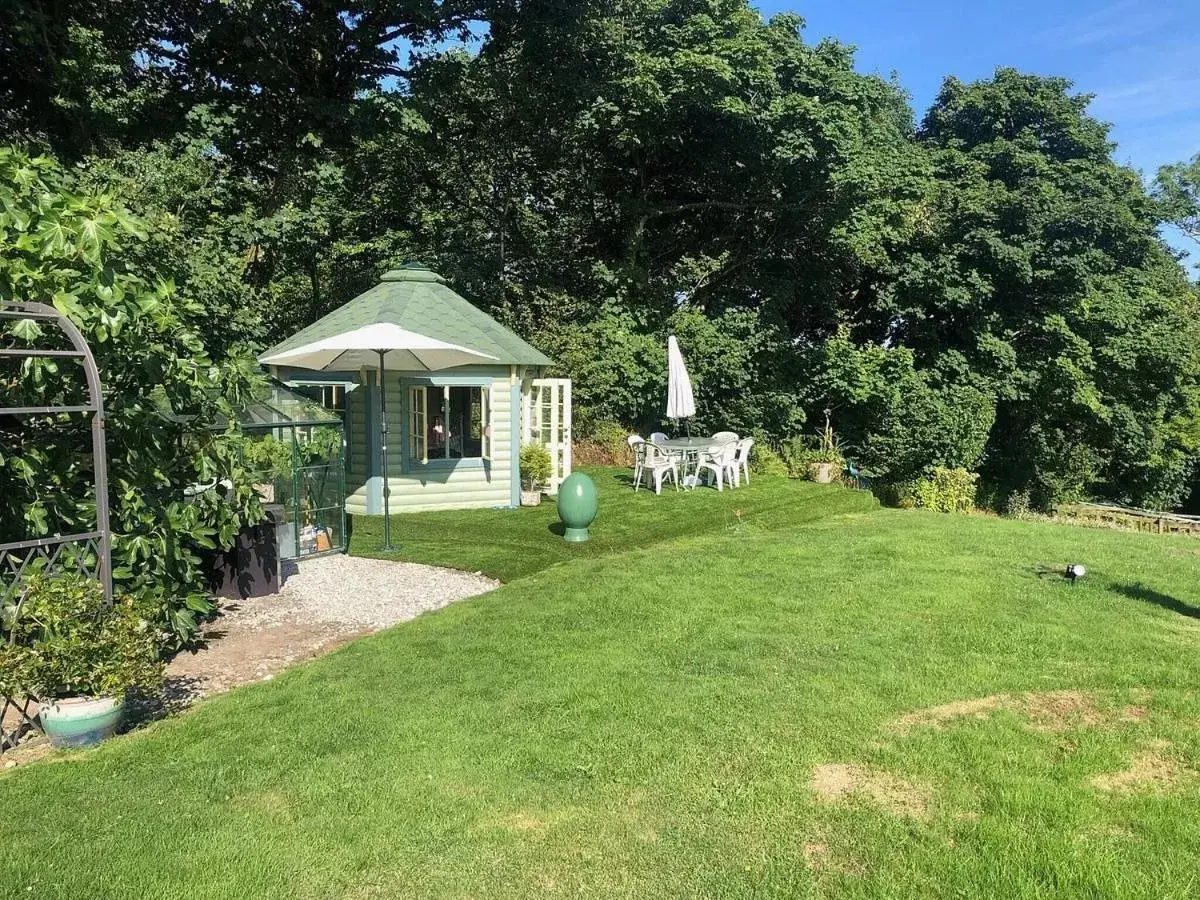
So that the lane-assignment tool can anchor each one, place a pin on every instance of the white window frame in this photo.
(418, 399)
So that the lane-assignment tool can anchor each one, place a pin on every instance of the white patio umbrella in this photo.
(375, 346)
(680, 403)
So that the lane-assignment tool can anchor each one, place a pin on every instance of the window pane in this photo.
(439, 444)
(485, 416)
(417, 423)
(464, 421)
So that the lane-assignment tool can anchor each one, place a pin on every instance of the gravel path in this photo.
(324, 603)
(362, 593)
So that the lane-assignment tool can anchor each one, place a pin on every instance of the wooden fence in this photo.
(1130, 519)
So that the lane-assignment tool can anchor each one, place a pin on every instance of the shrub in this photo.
(766, 460)
(611, 440)
(900, 495)
(66, 641)
(796, 456)
(946, 490)
(71, 247)
(1018, 504)
(535, 466)
(607, 444)
(800, 454)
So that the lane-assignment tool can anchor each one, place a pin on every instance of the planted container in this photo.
(81, 721)
(822, 472)
(536, 469)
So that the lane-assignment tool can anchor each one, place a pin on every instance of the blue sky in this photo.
(1141, 60)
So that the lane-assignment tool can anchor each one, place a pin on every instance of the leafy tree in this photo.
(1177, 188)
(85, 76)
(899, 421)
(204, 225)
(67, 246)
(1040, 275)
(598, 169)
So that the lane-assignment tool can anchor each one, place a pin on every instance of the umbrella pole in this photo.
(383, 442)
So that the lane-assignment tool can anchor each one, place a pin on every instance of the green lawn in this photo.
(646, 721)
(507, 546)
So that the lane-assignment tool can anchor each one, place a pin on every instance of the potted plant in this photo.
(825, 460)
(77, 656)
(536, 469)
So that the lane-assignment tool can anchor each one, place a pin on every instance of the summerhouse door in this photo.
(547, 420)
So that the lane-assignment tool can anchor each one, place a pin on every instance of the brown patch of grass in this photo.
(270, 803)
(937, 716)
(518, 821)
(1107, 833)
(1134, 714)
(821, 859)
(1058, 710)
(837, 782)
(1152, 770)
(1045, 710)
(817, 855)
(523, 822)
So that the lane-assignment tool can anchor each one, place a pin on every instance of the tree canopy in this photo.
(985, 287)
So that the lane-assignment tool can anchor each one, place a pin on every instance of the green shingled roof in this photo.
(415, 298)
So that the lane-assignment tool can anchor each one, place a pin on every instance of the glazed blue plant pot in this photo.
(81, 721)
(577, 506)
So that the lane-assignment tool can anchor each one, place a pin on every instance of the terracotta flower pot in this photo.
(81, 721)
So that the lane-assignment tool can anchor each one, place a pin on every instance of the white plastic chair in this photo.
(741, 461)
(659, 464)
(638, 445)
(718, 463)
(657, 438)
(724, 437)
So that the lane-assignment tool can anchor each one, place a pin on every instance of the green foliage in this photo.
(606, 444)
(1177, 190)
(946, 490)
(1039, 280)
(269, 455)
(767, 461)
(941, 489)
(987, 290)
(65, 640)
(536, 466)
(203, 224)
(902, 419)
(68, 246)
(800, 455)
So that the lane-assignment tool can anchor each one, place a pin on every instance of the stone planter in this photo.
(822, 472)
(81, 721)
(530, 498)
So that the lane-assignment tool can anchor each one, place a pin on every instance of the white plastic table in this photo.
(689, 449)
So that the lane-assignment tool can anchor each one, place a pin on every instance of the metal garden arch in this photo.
(17, 557)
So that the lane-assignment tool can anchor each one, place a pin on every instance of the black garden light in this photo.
(1074, 572)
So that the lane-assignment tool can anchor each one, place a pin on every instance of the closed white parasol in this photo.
(680, 403)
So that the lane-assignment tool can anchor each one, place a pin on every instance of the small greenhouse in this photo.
(302, 444)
